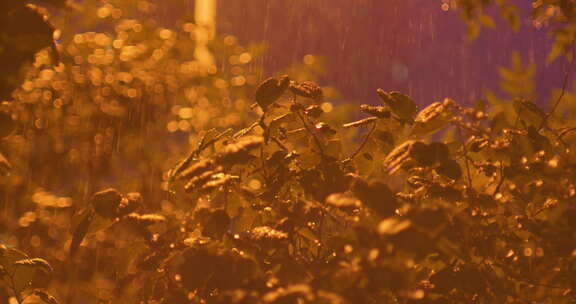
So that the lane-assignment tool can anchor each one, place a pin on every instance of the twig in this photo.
(364, 142)
(466, 161)
(316, 139)
(514, 277)
(280, 144)
(16, 292)
(564, 87)
(497, 189)
(213, 140)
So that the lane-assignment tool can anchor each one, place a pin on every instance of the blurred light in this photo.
(309, 59)
(230, 40)
(255, 184)
(103, 12)
(165, 34)
(327, 107)
(238, 81)
(188, 27)
(245, 58)
(186, 113)
(184, 125)
(172, 126)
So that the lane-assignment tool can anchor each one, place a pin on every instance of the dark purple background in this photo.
(363, 41)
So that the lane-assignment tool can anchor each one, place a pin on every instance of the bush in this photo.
(283, 201)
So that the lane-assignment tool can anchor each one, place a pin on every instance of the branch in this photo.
(364, 142)
(564, 87)
(314, 135)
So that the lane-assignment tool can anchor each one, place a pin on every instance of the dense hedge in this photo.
(138, 175)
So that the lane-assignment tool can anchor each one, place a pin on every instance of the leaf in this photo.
(314, 111)
(262, 233)
(277, 122)
(45, 296)
(35, 263)
(270, 90)
(307, 89)
(401, 105)
(10, 255)
(5, 166)
(439, 151)
(377, 111)
(450, 169)
(529, 112)
(360, 123)
(404, 155)
(246, 130)
(433, 117)
(333, 148)
(376, 196)
(239, 151)
(197, 169)
(487, 21)
(106, 203)
(216, 224)
(393, 225)
(343, 201)
(26, 270)
(7, 125)
(81, 231)
(130, 203)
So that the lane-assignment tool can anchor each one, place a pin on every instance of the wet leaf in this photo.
(270, 90)
(45, 296)
(529, 112)
(106, 203)
(35, 263)
(307, 89)
(450, 169)
(404, 155)
(81, 230)
(376, 196)
(433, 117)
(360, 123)
(5, 166)
(8, 256)
(7, 125)
(393, 225)
(401, 105)
(377, 111)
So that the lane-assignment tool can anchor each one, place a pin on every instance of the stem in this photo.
(466, 161)
(564, 87)
(364, 142)
(316, 139)
(16, 292)
(501, 179)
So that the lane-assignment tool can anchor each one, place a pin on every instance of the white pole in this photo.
(205, 17)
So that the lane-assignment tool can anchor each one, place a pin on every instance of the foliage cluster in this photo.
(283, 201)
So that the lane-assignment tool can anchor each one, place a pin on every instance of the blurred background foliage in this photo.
(381, 208)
